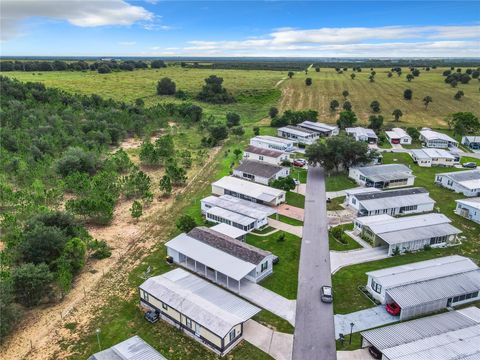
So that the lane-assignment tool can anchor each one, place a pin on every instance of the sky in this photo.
(240, 28)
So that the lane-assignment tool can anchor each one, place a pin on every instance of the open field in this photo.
(328, 85)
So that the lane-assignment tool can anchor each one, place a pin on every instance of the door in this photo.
(197, 330)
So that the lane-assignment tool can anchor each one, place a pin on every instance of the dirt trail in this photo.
(42, 329)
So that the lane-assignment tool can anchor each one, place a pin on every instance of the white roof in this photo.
(453, 335)
(210, 306)
(397, 133)
(386, 172)
(360, 131)
(298, 131)
(240, 206)
(272, 139)
(409, 222)
(434, 135)
(471, 202)
(471, 138)
(214, 258)
(429, 153)
(230, 215)
(228, 230)
(318, 126)
(248, 188)
(361, 190)
(131, 349)
(369, 220)
(469, 179)
(394, 198)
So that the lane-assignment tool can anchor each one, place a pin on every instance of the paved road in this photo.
(314, 323)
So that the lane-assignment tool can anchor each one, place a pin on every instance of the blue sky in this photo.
(240, 28)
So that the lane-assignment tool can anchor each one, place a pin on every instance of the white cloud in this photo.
(82, 13)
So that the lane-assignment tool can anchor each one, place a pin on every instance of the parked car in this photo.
(393, 309)
(296, 182)
(326, 294)
(299, 162)
(470, 165)
(275, 260)
(152, 316)
(376, 354)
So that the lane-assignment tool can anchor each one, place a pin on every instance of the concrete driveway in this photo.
(295, 230)
(291, 211)
(363, 320)
(300, 189)
(276, 344)
(360, 354)
(345, 258)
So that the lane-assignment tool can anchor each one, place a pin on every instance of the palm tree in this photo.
(397, 113)
(427, 100)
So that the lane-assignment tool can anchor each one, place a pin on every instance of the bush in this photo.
(166, 87)
(100, 249)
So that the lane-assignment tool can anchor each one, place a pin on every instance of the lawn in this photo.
(328, 85)
(295, 199)
(286, 219)
(265, 230)
(347, 280)
(273, 321)
(335, 203)
(284, 280)
(299, 174)
(336, 245)
(337, 182)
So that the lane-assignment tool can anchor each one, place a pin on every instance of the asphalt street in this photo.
(314, 336)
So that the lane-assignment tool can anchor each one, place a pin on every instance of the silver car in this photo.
(326, 294)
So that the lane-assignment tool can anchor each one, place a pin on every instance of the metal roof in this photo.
(397, 133)
(361, 190)
(431, 153)
(248, 188)
(240, 206)
(394, 198)
(229, 230)
(433, 337)
(210, 256)
(409, 222)
(297, 130)
(361, 131)
(205, 303)
(272, 139)
(419, 233)
(422, 270)
(469, 179)
(369, 220)
(435, 135)
(263, 151)
(259, 168)
(229, 245)
(471, 202)
(435, 289)
(134, 348)
(230, 215)
(386, 172)
(471, 138)
(318, 126)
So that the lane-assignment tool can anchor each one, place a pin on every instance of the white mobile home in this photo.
(274, 157)
(382, 176)
(254, 213)
(469, 208)
(398, 136)
(453, 335)
(272, 142)
(247, 190)
(410, 233)
(231, 231)
(435, 139)
(363, 134)
(391, 202)
(320, 128)
(260, 172)
(433, 157)
(202, 310)
(298, 134)
(131, 349)
(426, 286)
(473, 142)
(465, 182)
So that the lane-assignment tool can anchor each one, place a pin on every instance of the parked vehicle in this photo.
(152, 316)
(470, 165)
(326, 294)
(296, 182)
(299, 162)
(275, 260)
(393, 309)
(376, 354)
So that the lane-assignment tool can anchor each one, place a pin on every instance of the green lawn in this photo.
(299, 174)
(273, 321)
(265, 230)
(295, 199)
(337, 182)
(284, 279)
(336, 245)
(347, 280)
(286, 219)
(335, 203)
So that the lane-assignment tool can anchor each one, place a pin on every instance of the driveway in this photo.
(336, 217)
(363, 320)
(295, 230)
(269, 300)
(360, 354)
(300, 189)
(340, 193)
(276, 344)
(345, 258)
(397, 147)
(291, 211)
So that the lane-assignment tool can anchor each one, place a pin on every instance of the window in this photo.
(145, 295)
(376, 287)
(260, 157)
(264, 266)
(188, 323)
(438, 240)
(164, 306)
(354, 201)
(232, 335)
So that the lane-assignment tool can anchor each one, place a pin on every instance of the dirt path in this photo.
(42, 329)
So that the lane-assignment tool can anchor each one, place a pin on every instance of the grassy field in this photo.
(336, 245)
(335, 203)
(328, 85)
(295, 199)
(347, 280)
(337, 182)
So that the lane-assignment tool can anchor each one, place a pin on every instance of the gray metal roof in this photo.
(470, 179)
(361, 131)
(431, 153)
(272, 140)
(210, 256)
(394, 198)
(229, 245)
(131, 349)
(435, 289)
(409, 222)
(229, 230)
(240, 206)
(448, 336)
(471, 138)
(297, 130)
(471, 202)
(259, 168)
(386, 172)
(263, 151)
(317, 126)
(435, 135)
(418, 233)
(230, 215)
(205, 303)
(249, 188)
